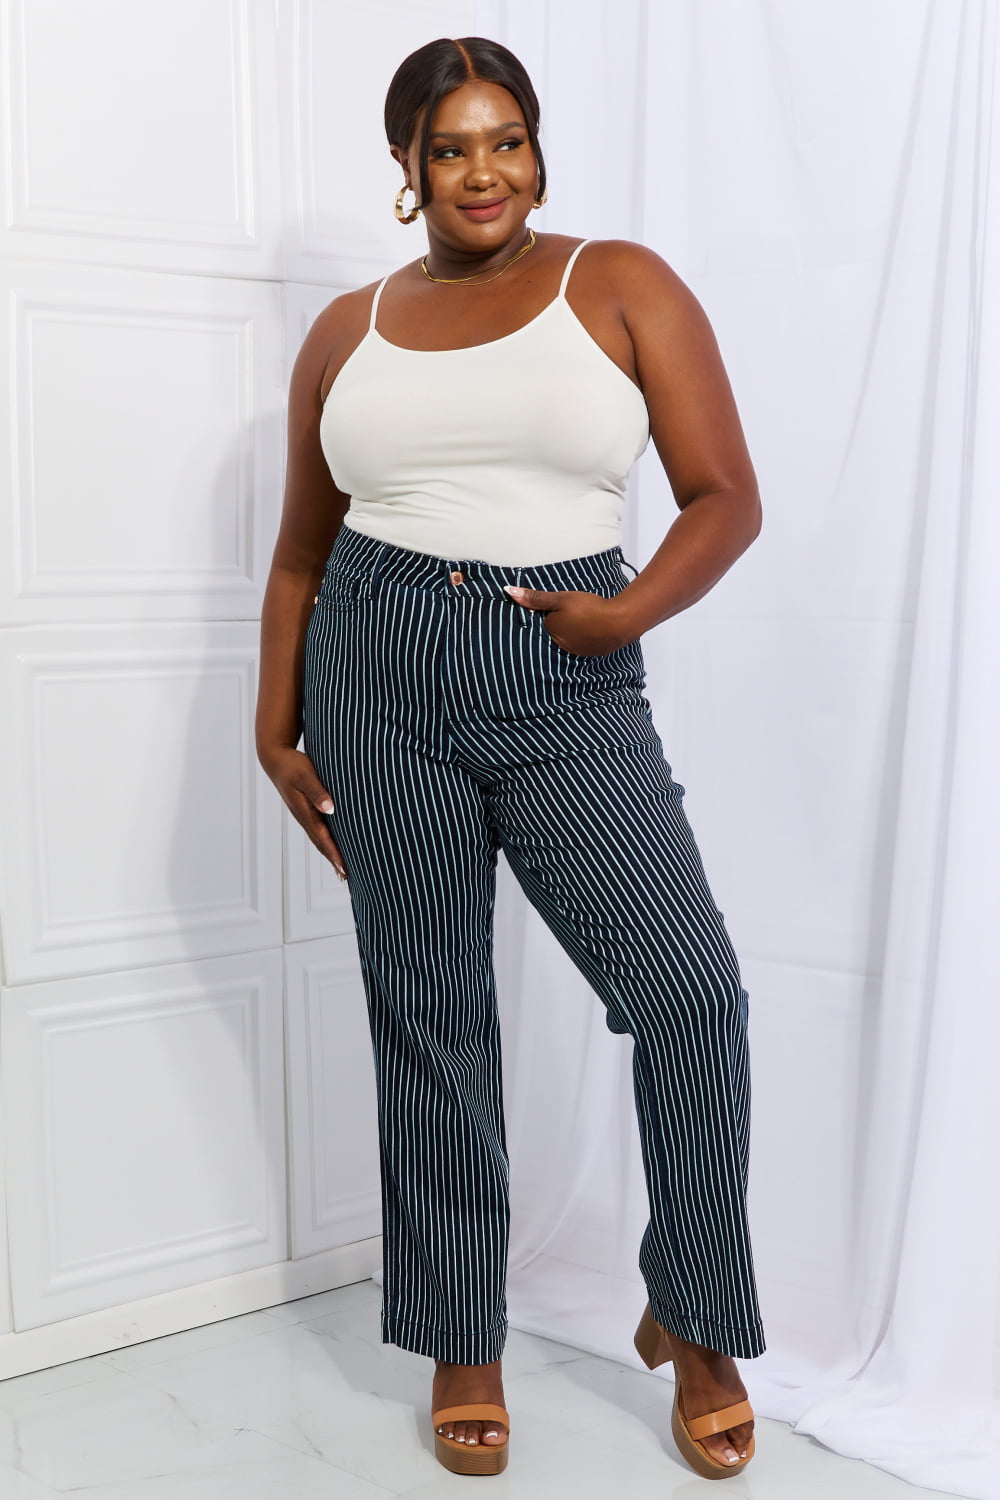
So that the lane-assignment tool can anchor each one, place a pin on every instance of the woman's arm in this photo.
(652, 324)
(696, 430)
(312, 512)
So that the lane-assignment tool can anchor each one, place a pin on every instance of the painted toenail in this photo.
(472, 1442)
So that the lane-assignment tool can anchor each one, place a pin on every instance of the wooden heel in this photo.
(652, 1344)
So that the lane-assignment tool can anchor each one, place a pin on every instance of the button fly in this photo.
(456, 576)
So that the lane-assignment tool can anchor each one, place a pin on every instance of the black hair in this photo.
(423, 79)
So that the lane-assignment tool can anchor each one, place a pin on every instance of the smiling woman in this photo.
(448, 627)
(425, 80)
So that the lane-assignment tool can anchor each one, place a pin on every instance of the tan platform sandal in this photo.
(480, 1458)
(653, 1345)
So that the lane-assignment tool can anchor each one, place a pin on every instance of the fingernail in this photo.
(513, 589)
(326, 806)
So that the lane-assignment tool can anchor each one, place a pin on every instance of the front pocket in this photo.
(341, 590)
(602, 656)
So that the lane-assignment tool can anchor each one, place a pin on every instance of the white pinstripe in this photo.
(447, 723)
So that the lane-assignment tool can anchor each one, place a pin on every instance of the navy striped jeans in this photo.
(447, 724)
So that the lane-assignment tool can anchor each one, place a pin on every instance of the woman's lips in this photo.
(483, 211)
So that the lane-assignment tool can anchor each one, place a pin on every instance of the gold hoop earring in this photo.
(542, 200)
(397, 207)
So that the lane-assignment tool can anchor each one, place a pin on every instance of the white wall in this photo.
(186, 1085)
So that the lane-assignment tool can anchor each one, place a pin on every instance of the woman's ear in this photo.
(403, 157)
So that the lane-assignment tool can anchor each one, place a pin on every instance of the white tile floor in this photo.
(303, 1401)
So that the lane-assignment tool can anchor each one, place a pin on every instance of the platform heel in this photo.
(653, 1347)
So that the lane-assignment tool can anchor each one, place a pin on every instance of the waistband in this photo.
(367, 557)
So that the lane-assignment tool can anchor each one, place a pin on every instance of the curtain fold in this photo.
(826, 180)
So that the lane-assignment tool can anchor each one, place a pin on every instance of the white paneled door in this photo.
(144, 417)
(147, 1107)
(138, 826)
(143, 135)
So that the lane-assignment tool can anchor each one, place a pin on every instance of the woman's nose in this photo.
(481, 168)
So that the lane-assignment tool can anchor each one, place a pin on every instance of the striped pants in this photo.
(447, 724)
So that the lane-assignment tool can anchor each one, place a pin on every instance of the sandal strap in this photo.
(718, 1421)
(478, 1412)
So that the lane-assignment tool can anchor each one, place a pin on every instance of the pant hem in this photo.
(455, 1347)
(745, 1342)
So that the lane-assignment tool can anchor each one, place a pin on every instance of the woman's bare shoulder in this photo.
(627, 266)
(340, 326)
(333, 336)
(345, 311)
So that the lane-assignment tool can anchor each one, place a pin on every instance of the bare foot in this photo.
(711, 1381)
(459, 1385)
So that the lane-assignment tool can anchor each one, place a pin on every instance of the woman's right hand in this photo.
(312, 513)
(306, 798)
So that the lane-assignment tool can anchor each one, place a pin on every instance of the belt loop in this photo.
(525, 613)
(624, 564)
(376, 567)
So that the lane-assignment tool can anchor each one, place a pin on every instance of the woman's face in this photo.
(482, 170)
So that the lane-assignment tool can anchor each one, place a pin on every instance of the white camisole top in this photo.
(514, 452)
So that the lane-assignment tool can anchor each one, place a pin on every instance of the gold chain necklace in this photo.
(457, 280)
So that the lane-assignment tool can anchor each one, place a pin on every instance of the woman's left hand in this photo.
(586, 624)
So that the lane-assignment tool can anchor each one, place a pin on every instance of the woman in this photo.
(447, 622)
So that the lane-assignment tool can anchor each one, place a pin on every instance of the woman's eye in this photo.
(447, 153)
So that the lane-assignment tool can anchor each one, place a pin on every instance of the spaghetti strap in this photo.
(378, 293)
(569, 267)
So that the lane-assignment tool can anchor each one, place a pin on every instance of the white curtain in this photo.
(825, 177)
